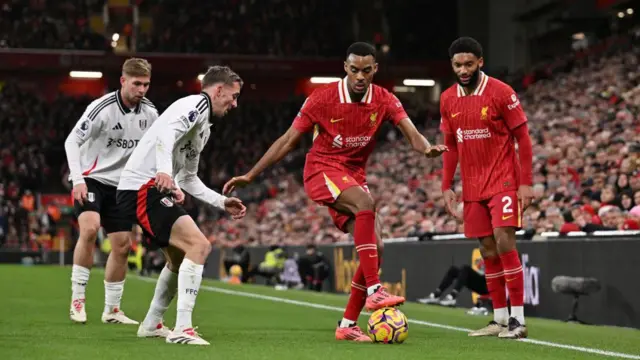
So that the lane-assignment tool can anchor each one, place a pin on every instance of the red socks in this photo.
(512, 269)
(495, 282)
(357, 298)
(366, 247)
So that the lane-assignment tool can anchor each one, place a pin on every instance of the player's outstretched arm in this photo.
(418, 142)
(187, 179)
(278, 150)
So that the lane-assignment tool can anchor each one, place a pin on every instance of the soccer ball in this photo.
(388, 326)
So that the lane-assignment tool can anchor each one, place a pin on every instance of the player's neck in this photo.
(355, 97)
(126, 102)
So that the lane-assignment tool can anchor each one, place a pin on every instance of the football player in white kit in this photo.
(97, 149)
(150, 193)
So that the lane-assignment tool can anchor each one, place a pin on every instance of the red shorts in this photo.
(325, 186)
(481, 217)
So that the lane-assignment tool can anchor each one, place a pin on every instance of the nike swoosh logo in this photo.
(507, 217)
(456, 114)
(510, 280)
(336, 120)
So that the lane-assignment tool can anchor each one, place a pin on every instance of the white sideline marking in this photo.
(413, 321)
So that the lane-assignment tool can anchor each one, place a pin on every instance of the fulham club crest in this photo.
(143, 124)
(166, 202)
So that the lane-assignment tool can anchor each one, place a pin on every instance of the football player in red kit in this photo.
(482, 120)
(344, 117)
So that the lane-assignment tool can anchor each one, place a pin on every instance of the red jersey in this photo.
(482, 123)
(344, 131)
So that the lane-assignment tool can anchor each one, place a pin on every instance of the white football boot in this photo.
(186, 336)
(77, 312)
(117, 316)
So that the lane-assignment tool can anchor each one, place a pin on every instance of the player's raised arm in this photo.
(183, 115)
(277, 151)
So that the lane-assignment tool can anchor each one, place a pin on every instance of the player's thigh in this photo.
(88, 213)
(186, 236)
(505, 210)
(153, 211)
(339, 190)
(117, 226)
(477, 219)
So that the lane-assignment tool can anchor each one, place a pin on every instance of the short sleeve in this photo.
(395, 110)
(510, 108)
(304, 121)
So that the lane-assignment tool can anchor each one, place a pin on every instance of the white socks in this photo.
(501, 316)
(79, 280)
(518, 313)
(189, 279)
(166, 288)
(345, 323)
(112, 291)
(112, 295)
(371, 289)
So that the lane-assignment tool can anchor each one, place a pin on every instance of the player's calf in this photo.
(89, 223)
(186, 236)
(166, 288)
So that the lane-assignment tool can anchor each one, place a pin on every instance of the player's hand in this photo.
(450, 203)
(80, 193)
(235, 207)
(236, 181)
(435, 151)
(525, 196)
(164, 183)
(178, 196)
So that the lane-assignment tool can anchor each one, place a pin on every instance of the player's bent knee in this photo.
(120, 243)
(505, 239)
(488, 247)
(89, 224)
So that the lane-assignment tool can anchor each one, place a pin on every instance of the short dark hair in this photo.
(361, 49)
(220, 74)
(465, 45)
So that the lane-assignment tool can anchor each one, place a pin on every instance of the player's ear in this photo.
(346, 67)
(123, 80)
(481, 62)
(375, 68)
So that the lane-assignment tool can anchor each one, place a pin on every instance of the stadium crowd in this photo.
(584, 123)
(584, 126)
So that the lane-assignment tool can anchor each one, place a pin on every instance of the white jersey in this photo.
(101, 142)
(172, 146)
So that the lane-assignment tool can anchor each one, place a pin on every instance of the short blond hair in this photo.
(136, 67)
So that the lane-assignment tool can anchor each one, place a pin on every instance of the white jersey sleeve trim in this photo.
(188, 180)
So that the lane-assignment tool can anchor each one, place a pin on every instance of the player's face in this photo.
(467, 67)
(134, 88)
(360, 71)
(225, 98)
